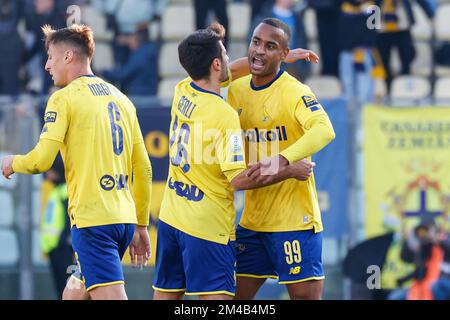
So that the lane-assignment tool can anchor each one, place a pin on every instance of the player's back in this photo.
(199, 199)
(98, 125)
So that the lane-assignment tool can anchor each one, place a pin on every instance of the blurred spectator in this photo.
(429, 249)
(139, 75)
(56, 242)
(129, 16)
(203, 7)
(441, 288)
(291, 14)
(356, 62)
(11, 49)
(327, 16)
(397, 21)
(259, 5)
(37, 14)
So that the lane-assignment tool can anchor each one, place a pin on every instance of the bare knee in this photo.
(160, 295)
(110, 292)
(75, 290)
(309, 290)
(216, 297)
(247, 287)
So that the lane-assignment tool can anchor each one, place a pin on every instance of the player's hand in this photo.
(301, 170)
(140, 250)
(301, 54)
(266, 170)
(7, 169)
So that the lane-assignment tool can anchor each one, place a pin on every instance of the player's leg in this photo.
(110, 292)
(160, 295)
(247, 288)
(99, 251)
(253, 264)
(216, 297)
(169, 282)
(308, 290)
(298, 259)
(75, 289)
(209, 267)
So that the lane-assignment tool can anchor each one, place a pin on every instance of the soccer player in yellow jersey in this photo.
(195, 253)
(108, 171)
(279, 234)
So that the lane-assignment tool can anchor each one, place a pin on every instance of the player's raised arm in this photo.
(240, 68)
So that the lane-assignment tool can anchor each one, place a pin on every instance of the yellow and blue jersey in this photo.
(206, 153)
(273, 117)
(98, 127)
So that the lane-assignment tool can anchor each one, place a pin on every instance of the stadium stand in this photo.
(410, 90)
(441, 93)
(8, 248)
(325, 87)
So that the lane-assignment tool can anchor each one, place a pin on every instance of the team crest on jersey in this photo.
(50, 117)
(267, 117)
(311, 102)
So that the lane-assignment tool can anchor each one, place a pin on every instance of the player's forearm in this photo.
(319, 133)
(243, 182)
(239, 68)
(142, 183)
(38, 160)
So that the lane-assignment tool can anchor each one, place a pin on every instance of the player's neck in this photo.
(213, 86)
(78, 71)
(260, 81)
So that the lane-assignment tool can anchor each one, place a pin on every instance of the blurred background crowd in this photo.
(383, 77)
(362, 57)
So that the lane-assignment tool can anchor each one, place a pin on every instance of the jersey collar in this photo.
(196, 87)
(268, 84)
(87, 75)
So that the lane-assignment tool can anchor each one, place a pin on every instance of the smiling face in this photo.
(267, 50)
(57, 63)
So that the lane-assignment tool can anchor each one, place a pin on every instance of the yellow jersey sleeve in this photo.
(56, 118)
(137, 133)
(319, 133)
(38, 160)
(229, 145)
(307, 107)
(142, 183)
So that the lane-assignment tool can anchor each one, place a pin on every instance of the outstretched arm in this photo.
(239, 67)
(38, 160)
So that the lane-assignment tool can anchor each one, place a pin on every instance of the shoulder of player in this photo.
(293, 87)
(240, 83)
(61, 95)
(225, 110)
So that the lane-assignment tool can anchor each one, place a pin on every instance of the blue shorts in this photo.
(99, 251)
(293, 256)
(192, 265)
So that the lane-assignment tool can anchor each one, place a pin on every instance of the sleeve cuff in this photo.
(288, 156)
